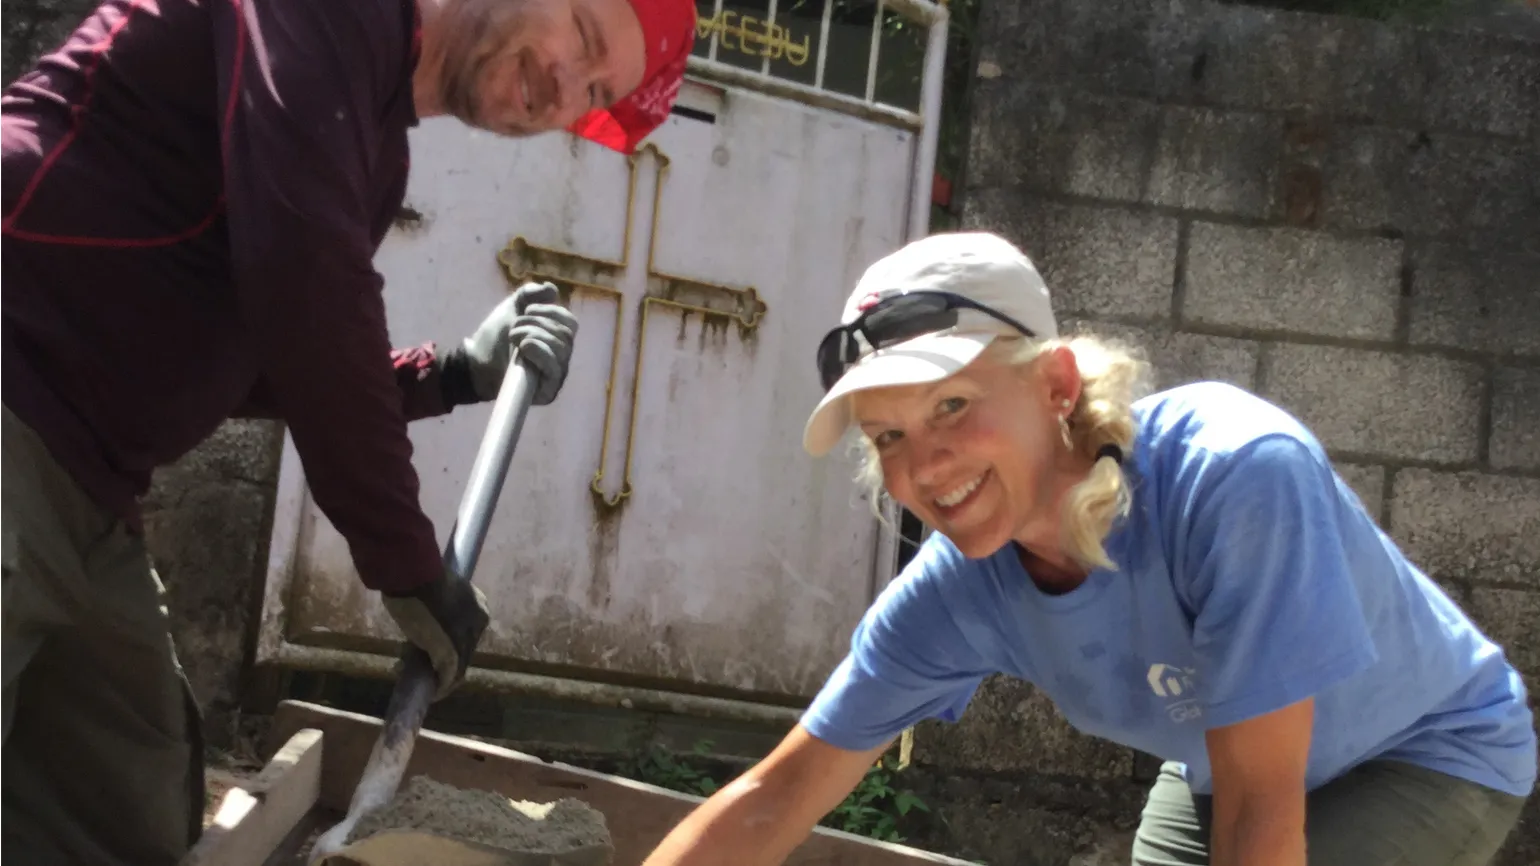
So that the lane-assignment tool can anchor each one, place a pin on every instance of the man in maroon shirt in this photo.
(194, 191)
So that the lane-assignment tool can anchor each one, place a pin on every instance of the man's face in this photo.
(522, 67)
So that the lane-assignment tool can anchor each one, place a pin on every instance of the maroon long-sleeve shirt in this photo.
(194, 191)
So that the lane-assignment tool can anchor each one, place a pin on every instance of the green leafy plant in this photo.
(874, 808)
(656, 765)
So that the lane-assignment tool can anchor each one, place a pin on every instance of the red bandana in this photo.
(668, 27)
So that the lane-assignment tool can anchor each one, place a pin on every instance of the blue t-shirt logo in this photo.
(1174, 685)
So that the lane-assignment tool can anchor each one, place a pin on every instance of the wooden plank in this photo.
(638, 815)
(254, 819)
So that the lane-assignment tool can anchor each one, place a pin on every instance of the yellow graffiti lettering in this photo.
(726, 29)
(754, 37)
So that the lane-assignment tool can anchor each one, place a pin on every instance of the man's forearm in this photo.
(1259, 832)
(431, 384)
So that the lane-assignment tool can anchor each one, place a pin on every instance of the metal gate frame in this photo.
(272, 647)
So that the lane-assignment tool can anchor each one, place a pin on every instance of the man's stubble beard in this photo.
(483, 29)
(457, 89)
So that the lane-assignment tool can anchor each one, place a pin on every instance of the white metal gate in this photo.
(661, 539)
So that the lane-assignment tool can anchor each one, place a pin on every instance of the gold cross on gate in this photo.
(524, 262)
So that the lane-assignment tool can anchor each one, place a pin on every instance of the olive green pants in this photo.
(1383, 813)
(103, 759)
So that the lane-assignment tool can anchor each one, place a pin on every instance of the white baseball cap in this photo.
(983, 268)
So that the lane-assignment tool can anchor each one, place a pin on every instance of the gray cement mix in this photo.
(568, 831)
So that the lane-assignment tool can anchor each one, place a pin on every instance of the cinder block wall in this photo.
(1339, 215)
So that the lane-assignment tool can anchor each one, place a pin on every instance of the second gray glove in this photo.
(445, 618)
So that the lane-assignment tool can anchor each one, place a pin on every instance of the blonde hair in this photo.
(1113, 376)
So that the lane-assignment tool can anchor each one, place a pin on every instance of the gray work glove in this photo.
(532, 319)
(444, 617)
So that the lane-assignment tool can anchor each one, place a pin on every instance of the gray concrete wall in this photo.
(207, 521)
(32, 27)
(1337, 214)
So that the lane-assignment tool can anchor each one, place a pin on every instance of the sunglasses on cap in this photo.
(895, 319)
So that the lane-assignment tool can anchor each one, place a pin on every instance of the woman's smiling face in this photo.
(973, 455)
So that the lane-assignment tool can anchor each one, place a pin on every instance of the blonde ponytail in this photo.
(1091, 507)
(1101, 428)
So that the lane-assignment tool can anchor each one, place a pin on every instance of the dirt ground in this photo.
(218, 782)
(229, 768)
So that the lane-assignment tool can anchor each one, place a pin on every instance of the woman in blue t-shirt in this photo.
(1182, 573)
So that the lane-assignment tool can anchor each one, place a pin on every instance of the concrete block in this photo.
(1466, 299)
(1096, 260)
(1323, 65)
(1481, 84)
(1176, 358)
(1515, 442)
(1037, 820)
(240, 450)
(1511, 617)
(209, 549)
(1131, 47)
(1218, 161)
(1146, 767)
(1368, 481)
(1456, 590)
(1002, 829)
(1292, 280)
(1301, 184)
(206, 519)
(1012, 727)
(1481, 191)
(1061, 140)
(1468, 525)
(1407, 407)
(1218, 54)
(32, 29)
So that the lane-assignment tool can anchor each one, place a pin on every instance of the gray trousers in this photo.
(1382, 813)
(103, 758)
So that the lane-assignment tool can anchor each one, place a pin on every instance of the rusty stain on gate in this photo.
(572, 273)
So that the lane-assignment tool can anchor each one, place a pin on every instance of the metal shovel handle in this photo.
(490, 470)
(417, 682)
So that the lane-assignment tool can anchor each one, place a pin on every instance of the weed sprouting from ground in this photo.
(874, 808)
(656, 765)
